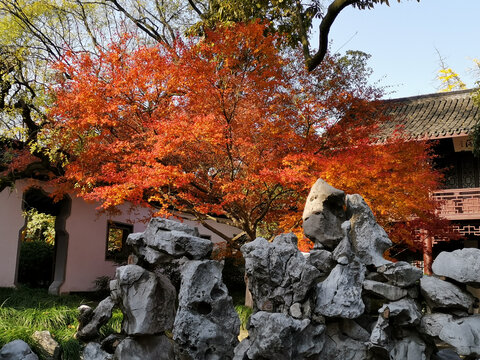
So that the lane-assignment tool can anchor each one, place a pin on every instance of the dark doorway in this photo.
(43, 239)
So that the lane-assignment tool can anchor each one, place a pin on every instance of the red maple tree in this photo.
(230, 125)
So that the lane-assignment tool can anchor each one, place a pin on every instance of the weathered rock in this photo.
(110, 343)
(400, 273)
(84, 316)
(369, 240)
(157, 347)
(296, 311)
(402, 312)
(340, 294)
(340, 347)
(160, 223)
(410, 347)
(446, 354)
(463, 334)
(441, 294)
(432, 324)
(49, 348)
(322, 195)
(206, 325)
(164, 240)
(278, 274)
(323, 214)
(322, 260)
(343, 253)
(147, 300)
(460, 265)
(93, 351)
(99, 317)
(390, 292)
(17, 350)
(380, 342)
(279, 336)
(353, 330)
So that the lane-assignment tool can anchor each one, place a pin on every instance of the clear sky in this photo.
(403, 40)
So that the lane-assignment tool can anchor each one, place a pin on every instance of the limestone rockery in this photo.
(342, 301)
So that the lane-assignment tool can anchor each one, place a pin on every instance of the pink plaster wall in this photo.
(87, 239)
(87, 243)
(11, 221)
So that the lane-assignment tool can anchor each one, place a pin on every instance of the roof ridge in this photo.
(431, 96)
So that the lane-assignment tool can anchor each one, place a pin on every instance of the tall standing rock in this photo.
(369, 239)
(340, 295)
(147, 300)
(206, 325)
(278, 273)
(324, 214)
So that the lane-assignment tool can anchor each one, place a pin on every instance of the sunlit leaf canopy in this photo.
(35, 33)
(231, 125)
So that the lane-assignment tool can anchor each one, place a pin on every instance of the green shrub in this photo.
(244, 313)
(36, 263)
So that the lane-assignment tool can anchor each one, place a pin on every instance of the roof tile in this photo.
(432, 116)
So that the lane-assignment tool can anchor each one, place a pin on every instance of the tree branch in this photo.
(333, 10)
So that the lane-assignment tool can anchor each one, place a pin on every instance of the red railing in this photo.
(459, 204)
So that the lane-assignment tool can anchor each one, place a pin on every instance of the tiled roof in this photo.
(433, 116)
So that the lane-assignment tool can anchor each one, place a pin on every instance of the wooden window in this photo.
(117, 234)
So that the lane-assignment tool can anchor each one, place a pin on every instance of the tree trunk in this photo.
(427, 253)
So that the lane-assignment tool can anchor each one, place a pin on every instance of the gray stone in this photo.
(157, 347)
(296, 311)
(49, 348)
(165, 239)
(278, 274)
(322, 260)
(446, 354)
(323, 195)
(369, 240)
(410, 347)
(17, 350)
(400, 273)
(85, 314)
(206, 325)
(343, 253)
(99, 317)
(463, 334)
(278, 336)
(380, 341)
(402, 312)
(110, 343)
(159, 223)
(340, 294)
(93, 351)
(323, 215)
(441, 294)
(460, 265)
(340, 347)
(147, 300)
(353, 330)
(390, 292)
(432, 324)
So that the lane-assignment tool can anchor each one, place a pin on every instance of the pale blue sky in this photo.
(403, 39)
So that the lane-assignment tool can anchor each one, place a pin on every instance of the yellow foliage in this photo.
(451, 80)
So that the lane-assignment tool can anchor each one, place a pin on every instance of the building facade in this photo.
(447, 120)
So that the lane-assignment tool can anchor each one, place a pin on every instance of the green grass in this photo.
(24, 311)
